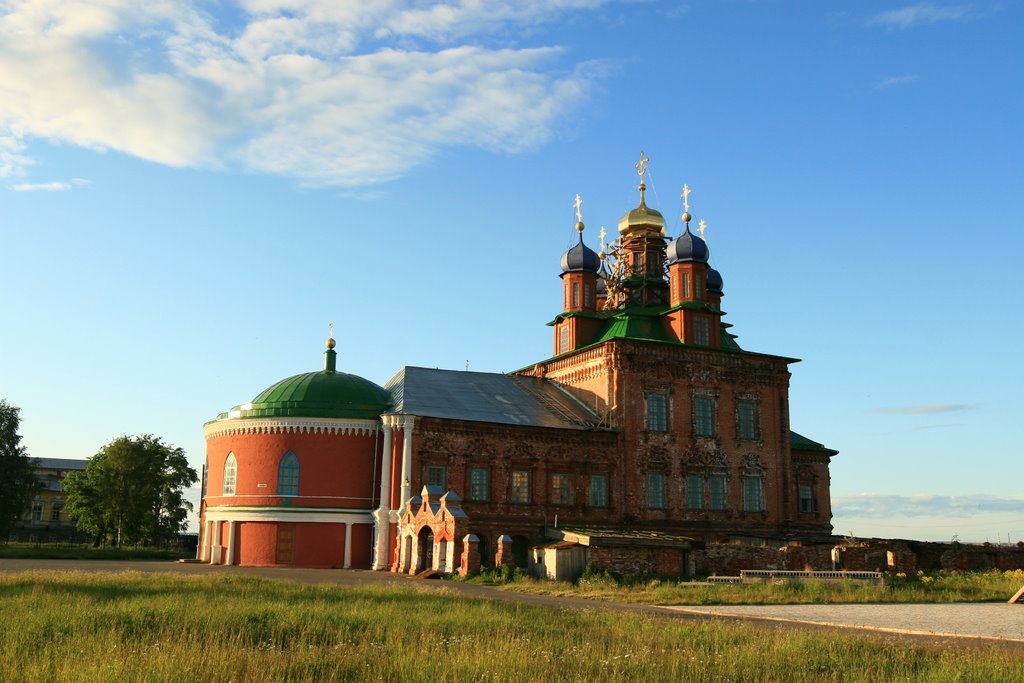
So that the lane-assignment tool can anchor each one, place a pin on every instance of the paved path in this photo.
(958, 623)
(981, 620)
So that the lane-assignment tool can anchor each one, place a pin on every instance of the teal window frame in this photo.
(479, 484)
(694, 492)
(703, 416)
(520, 492)
(598, 490)
(656, 490)
(288, 475)
(657, 412)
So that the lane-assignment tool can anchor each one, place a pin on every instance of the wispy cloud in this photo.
(895, 81)
(922, 13)
(328, 92)
(928, 408)
(879, 506)
(55, 186)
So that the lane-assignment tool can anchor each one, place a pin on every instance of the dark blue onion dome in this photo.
(602, 285)
(687, 247)
(714, 281)
(580, 258)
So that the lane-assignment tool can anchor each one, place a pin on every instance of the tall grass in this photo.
(952, 586)
(133, 626)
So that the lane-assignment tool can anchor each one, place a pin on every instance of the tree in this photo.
(17, 479)
(131, 491)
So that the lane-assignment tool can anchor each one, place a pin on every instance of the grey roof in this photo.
(59, 464)
(487, 397)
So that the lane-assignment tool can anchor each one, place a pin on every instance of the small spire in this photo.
(330, 355)
(686, 205)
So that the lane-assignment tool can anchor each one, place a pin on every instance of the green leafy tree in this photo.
(131, 491)
(16, 472)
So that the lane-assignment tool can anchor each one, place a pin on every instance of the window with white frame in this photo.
(230, 474)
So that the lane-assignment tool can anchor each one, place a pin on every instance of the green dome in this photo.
(317, 394)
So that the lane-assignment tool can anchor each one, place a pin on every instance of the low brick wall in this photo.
(636, 561)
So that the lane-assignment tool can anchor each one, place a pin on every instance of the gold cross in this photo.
(577, 203)
(701, 227)
(686, 198)
(641, 167)
(602, 235)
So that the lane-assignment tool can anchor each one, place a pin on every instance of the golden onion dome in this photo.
(642, 220)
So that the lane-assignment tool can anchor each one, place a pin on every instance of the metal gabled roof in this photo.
(487, 397)
(59, 463)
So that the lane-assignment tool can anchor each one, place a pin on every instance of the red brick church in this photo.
(648, 433)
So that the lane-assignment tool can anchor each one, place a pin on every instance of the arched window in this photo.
(288, 475)
(230, 473)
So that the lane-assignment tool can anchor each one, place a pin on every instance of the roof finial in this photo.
(330, 336)
(701, 227)
(686, 205)
(330, 355)
(602, 235)
(576, 204)
(641, 169)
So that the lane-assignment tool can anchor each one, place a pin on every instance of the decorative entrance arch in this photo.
(428, 531)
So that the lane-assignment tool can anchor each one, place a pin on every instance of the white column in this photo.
(407, 424)
(215, 547)
(230, 559)
(348, 545)
(385, 467)
(381, 518)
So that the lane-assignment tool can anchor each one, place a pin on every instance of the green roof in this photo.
(798, 442)
(317, 394)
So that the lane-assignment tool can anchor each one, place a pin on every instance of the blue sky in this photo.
(189, 194)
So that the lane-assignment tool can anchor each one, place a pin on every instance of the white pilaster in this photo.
(408, 421)
(381, 515)
(348, 545)
(216, 547)
(230, 559)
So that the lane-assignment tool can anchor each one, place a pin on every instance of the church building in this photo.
(648, 432)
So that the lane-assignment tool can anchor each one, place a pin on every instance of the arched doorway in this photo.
(426, 549)
(520, 551)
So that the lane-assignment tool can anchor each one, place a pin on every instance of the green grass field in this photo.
(77, 551)
(68, 626)
(990, 586)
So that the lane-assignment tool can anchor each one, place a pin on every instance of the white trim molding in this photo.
(238, 513)
(289, 425)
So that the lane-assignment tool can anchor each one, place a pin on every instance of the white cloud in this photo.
(895, 81)
(929, 408)
(921, 13)
(868, 505)
(330, 92)
(55, 186)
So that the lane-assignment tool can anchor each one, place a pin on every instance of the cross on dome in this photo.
(577, 203)
(641, 167)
